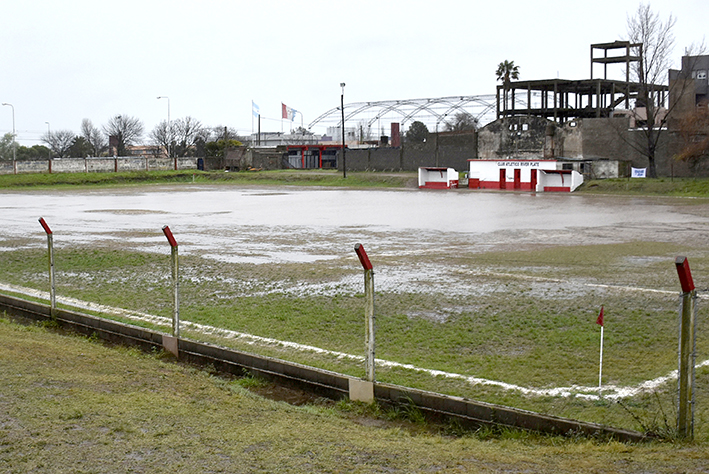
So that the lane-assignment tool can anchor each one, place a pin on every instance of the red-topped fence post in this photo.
(369, 308)
(687, 350)
(175, 282)
(50, 254)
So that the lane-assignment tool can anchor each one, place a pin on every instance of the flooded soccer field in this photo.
(263, 225)
(479, 294)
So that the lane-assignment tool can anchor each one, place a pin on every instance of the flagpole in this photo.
(600, 368)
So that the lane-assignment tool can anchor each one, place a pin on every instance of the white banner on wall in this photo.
(638, 172)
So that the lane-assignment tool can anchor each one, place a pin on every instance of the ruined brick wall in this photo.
(517, 137)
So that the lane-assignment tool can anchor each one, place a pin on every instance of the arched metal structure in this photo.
(431, 112)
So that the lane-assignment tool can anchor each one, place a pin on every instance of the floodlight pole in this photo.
(342, 108)
(50, 253)
(687, 350)
(175, 282)
(369, 308)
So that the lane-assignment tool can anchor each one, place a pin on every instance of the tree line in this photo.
(182, 137)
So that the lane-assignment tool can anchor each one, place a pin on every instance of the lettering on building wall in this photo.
(519, 164)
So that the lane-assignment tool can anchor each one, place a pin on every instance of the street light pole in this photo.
(169, 125)
(342, 108)
(14, 144)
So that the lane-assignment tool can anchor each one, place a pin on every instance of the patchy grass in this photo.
(276, 177)
(119, 410)
(533, 325)
(689, 187)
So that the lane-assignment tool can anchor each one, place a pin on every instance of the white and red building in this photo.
(438, 178)
(523, 175)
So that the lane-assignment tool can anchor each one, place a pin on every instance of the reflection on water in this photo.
(257, 225)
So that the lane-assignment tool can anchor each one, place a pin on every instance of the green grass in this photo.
(120, 410)
(277, 177)
(688, 187)
(531, 329)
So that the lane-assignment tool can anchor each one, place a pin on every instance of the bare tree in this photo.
(123, 131)
(187, 132)
(655, 36)
(94, 137)
(652, 105)
(181, 137)
(160, 136)
(59, 142)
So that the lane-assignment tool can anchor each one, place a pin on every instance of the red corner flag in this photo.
(599, 321)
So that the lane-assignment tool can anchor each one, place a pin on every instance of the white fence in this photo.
(97, 165)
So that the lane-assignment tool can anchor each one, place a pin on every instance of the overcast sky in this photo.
(64, 60)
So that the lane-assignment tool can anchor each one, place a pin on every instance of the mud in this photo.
(418, 240)
(297, 224)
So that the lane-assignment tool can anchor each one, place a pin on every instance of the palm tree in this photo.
(506, 71)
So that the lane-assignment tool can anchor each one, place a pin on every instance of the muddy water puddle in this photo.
(414, 237)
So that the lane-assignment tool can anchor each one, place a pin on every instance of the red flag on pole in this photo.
(599, 321)
(284, 111)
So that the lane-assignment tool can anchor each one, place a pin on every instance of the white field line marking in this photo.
(591, 393)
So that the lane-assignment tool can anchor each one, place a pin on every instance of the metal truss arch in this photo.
(430, 111)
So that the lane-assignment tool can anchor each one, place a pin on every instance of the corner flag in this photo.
(599, 321)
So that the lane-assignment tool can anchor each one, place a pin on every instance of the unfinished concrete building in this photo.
(598, 122)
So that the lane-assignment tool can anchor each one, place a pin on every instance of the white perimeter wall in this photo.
(103, 165)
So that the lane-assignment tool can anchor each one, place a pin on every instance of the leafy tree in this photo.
(93, 137)
(125, 130)
(417, 132)
(59, 141)
(6, 146)
(35, 152)
(220, 132)
(506, 71)
(216, 148)
(80, 148)
(461, 122)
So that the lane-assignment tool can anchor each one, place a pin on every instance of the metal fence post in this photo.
(369, 309)
(175, 282)
(50, 253)
(686, 351)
